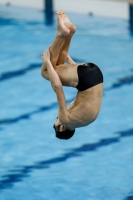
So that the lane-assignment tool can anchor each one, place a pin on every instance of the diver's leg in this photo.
(64, 50)
(60, 39)
(60, 46)
(65, 47)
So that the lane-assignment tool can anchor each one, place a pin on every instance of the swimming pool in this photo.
(97, 163)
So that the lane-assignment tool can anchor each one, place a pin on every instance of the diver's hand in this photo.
(46, 55)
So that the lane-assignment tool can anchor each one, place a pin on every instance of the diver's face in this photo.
(58, 125)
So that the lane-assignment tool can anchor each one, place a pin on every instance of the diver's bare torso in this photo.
(86, 105)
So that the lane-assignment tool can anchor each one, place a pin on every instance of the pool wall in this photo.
(97, 7)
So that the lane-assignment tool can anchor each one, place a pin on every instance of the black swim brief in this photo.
(89, 75)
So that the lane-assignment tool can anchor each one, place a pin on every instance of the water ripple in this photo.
(127, 80)
(130, 197)
(16, 73)
(16, 175)
(28, 115)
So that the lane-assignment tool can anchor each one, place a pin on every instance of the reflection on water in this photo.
(17, 175)
(127, 80)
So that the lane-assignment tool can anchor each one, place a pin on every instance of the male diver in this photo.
(87, 78)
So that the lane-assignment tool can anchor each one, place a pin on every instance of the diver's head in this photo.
(61, 131)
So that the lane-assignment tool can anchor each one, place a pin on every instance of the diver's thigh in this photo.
(68, 74)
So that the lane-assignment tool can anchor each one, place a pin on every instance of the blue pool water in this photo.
(97, 163)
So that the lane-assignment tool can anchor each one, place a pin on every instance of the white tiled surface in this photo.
(98, 7)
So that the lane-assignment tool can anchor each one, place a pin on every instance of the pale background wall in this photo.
(98, 7)
(29, 3)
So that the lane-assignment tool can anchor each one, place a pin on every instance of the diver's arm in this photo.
(69, 60)
(57, 87)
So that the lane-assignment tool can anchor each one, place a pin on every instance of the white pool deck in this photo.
(107, 8)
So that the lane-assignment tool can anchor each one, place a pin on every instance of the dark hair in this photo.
(65, 135)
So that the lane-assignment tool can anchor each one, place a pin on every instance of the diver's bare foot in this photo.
(68, 24)
(62, 29)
